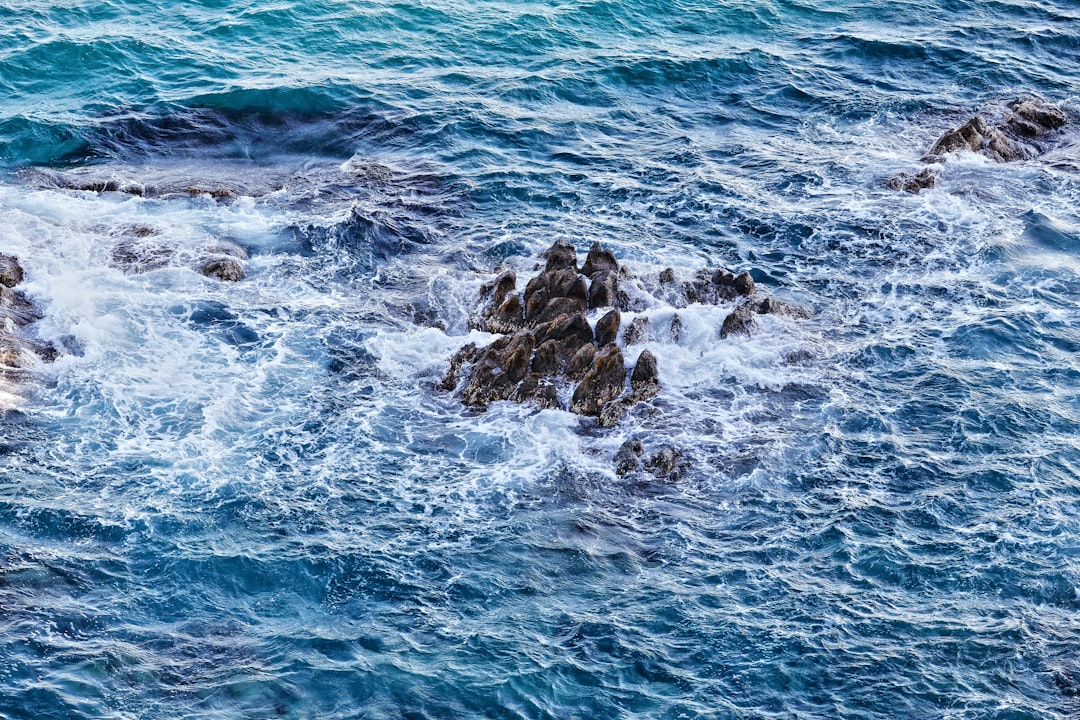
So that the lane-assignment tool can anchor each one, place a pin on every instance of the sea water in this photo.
(252, 500)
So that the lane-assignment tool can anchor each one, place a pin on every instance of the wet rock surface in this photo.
(1023, 130)
(19, 350)
(551, 355)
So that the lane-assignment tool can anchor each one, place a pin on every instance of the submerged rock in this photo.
(922, 180)
(628, 456)
(223, 267)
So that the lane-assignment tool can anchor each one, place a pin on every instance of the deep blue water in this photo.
(250, 499)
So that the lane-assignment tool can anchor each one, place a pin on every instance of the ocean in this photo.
(252, 498)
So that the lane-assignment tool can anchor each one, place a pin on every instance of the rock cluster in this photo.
(551, 355)
(1023, 133)
(137, 252)
(17, 348)
(548, 345)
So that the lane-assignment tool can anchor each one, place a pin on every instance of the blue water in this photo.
(251, 500)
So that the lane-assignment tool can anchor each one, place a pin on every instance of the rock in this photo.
(645, 380)
(702, 289)
(666, 464)
(499, 290)
(550, 286)
(560, 306)
(11, 272)
(772, 306)
(613, 412)
(1009, 141)
(999, 147)
(599, 259)
(628, 456)
(667, 275)
(547, 360)
(739, 321)
(637, 331)
(467, 354)
(922, 180)
(675, 331)
(572, 331)
(133, 257)
(602, 384)
(536, 388)
(1043, 116)
(729, 285)
(581, 362)
(604, 289)
(506, 318)
(744, 284)
(607, 328)
(968, 136)
(223, 267)
(560, 256)
(501, 365)
(16, 310)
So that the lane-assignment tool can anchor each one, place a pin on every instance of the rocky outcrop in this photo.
(1020, 132)
(19, 351)
(548, 352)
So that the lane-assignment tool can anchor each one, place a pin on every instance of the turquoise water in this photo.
(251, 500)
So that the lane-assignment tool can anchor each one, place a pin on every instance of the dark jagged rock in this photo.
(223, 267)
(501, 365)
(560, 306)
(607, 328)
(547, 344)
(599, 259)
(675, 330)
(666, 464)
(604, 289)
(547, 360)
(739, 321)
(922, 180)
(505, 284)
(1017, 138)
(506, 318)
(17, 311)
(645, 380)
(667, 275)
(467, 354)
(613, 412)
(581, 362)
(554, 292)
(968, 136)
(536, 388)
(637, 331)
(772, 306)
(1042, 116)
(572, 331)
(11, 272)
(729, 285)
(628, 456)
(602, 384)
(561, 256)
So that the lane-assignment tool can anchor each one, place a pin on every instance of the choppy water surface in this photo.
(250, 499)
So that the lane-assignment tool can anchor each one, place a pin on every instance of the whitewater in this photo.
(253, 497)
